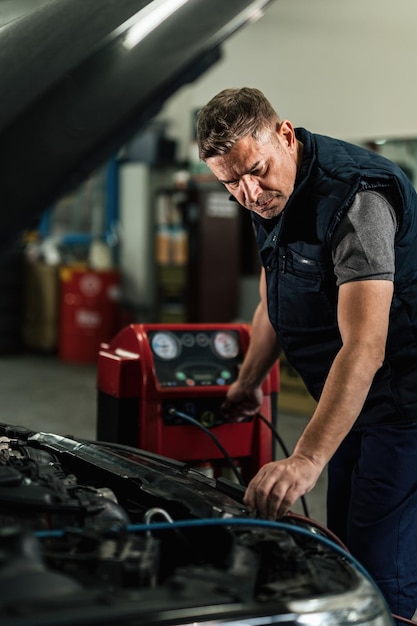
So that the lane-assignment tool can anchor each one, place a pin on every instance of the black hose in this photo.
(226, 455)
(286, 452)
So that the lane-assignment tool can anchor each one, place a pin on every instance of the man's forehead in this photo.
(242, 157)
(229, 168)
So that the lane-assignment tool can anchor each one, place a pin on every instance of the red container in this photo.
(89, 312)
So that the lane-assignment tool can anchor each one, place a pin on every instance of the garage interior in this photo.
(134, 258)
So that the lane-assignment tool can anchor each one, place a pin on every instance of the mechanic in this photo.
(336, 229)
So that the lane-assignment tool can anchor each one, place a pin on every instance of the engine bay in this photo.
(103, 533)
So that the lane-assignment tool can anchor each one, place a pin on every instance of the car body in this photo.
(101, 533)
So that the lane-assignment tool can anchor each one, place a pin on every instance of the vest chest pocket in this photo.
(304, 268)
(307, 293)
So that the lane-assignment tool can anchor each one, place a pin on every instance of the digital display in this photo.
(203, 376)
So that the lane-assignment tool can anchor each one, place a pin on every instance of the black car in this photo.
(98, 532)
(101, 533)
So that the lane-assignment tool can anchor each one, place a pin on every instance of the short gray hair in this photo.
(231, 115)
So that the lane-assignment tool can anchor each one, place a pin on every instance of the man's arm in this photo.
(245, 395)
(363, 315)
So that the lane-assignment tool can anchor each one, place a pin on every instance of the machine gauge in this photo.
(202, 340)
(165, 346)
(225, 345)
(188, 340)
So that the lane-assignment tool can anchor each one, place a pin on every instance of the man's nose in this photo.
(250, 187)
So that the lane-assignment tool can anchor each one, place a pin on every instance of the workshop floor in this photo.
(47, 394)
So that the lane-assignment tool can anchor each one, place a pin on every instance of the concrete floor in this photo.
(44, 393)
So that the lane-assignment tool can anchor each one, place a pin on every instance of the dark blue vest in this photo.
(295, 251)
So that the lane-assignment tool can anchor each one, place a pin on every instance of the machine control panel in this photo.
(156, 381)
(190, 358)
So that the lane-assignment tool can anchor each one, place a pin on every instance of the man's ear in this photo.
(287, 133)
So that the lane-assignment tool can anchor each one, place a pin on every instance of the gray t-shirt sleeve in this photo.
(363, 244)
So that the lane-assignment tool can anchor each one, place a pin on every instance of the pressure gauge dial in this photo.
(165, 346)
(225, 345)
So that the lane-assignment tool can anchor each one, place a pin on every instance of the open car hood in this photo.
(79, 78)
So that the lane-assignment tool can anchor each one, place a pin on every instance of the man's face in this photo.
(260, 175)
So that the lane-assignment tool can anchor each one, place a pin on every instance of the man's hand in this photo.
(278, 485)
(241, 402)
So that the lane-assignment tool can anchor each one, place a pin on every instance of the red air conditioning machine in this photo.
(152, 375)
